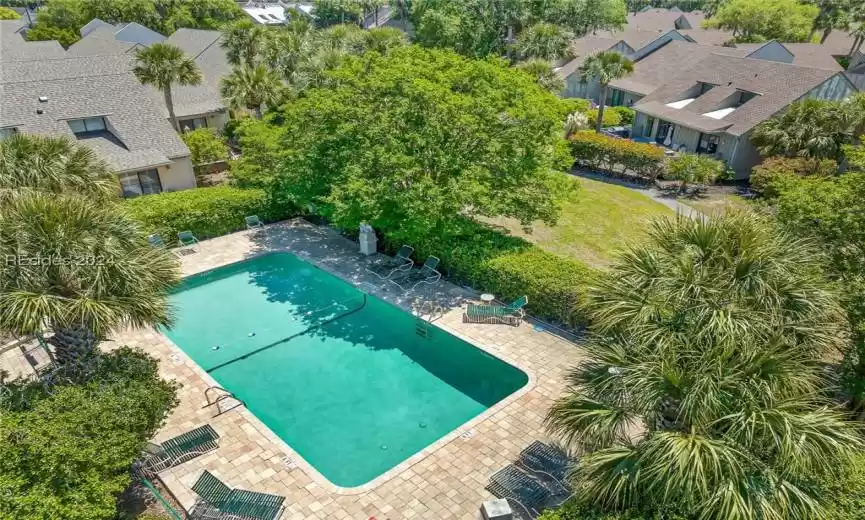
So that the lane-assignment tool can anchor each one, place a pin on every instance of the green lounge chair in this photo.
(401, 263)
(413, 278)
(155, 240)
(510, 314)
(253, 222)
(214, 494)
(179, 449)
(186, 238)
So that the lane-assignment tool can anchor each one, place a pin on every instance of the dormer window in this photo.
(705, 87)
(87, 126)
(744, 97)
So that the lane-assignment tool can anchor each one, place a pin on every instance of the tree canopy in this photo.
(762, 20)
(704, 385)
(411, 141)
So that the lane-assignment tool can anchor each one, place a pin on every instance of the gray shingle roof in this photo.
(101, 42)
(658, 67)
(778, 85)
(804, 54)
(583, 47)
(204, 47)
(81, 87)
(13, 46)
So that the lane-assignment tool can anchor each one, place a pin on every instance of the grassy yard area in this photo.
(714, 203)
(594, 222)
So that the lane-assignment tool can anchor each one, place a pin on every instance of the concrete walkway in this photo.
(649, 191)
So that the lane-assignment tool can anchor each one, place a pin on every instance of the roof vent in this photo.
(43, 99)
(40, 111)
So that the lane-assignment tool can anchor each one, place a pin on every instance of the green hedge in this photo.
(617, 156)
(207, 212)
(509, 267)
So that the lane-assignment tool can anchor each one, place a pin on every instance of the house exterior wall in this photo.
(217, 120)
(687, 137)
(640, 128)
(178, 175)
(591, 89)
(837, 87)
(746, 157)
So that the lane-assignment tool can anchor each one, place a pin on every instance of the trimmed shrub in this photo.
(205, 146)
(775, 174)
(611, 118)
(207, 212)
(617, 156)
(574, 510)
(509, 267)
(626, 114)
(8, 14)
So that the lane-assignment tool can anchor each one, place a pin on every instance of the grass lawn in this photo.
(594, 222)
(714, 203)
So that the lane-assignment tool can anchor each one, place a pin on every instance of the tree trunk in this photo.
(602, 99)
(826, 32)
(169, 102)
(376, 16)
(74, 346)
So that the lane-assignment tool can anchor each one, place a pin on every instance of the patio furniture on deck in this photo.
(547, 461)
(512, 483)
(253, 222)
(186, 238)
(233, 503)
(510, 314)
(155, 240)
(426, 275)
(393, 266)
(179, 449)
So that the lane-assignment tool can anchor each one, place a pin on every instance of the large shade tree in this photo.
(411, 141)
(74, 264)
(761, 20)
(163, 65)
(604, 67)
(704, 385)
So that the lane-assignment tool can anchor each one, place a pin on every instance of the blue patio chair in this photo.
(253, 222)
(413, 278)
(400, 263)
(513, 484)
(186, 238)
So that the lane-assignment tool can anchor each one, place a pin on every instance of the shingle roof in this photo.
(204, 47)
(80, 87)
(708, 36)
(658, 67)
(778, 85)
(635, 37)
(582, 48)
(804, 54)
(101, 42)
(13, 46)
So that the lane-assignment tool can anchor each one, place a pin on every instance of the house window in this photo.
(192, 124)
(85, 126)
(647, 128)
(7, 132)
(616, 98)
(708, 144)
(140, 183)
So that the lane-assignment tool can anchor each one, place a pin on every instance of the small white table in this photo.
(487, 298)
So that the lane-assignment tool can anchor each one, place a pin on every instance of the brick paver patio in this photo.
(446, 480)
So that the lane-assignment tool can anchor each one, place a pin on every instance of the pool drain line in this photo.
(289, 338)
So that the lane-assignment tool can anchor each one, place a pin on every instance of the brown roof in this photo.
(683, 117)
(839, 43)
(662, 19)
(708, 36)
(658, 67)
(804, 54)
(636, 38)
(777, 85)
(582, 48)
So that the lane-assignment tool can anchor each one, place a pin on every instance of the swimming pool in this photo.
(342, 377)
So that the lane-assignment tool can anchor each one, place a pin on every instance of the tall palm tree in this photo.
(703, 387)
(544, 74)
(163, 65)
(543, 41)
(72, 261)
(244, 42)
(251, 87)
(605, 67)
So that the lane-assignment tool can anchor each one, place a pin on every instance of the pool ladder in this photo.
(219, 398)
(432, 311)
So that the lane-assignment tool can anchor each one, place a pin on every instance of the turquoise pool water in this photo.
(340, 376)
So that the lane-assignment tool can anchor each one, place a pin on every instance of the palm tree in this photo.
(73, 262)
(544, 74)
(164, 64)
(605, 67)
(53, 165)
(543, 41)
(703, 387)
(383, 39)
(251, 87)
(810, 128)
(244, 42)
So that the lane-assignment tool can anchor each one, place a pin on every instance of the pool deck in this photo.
(446, 480)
